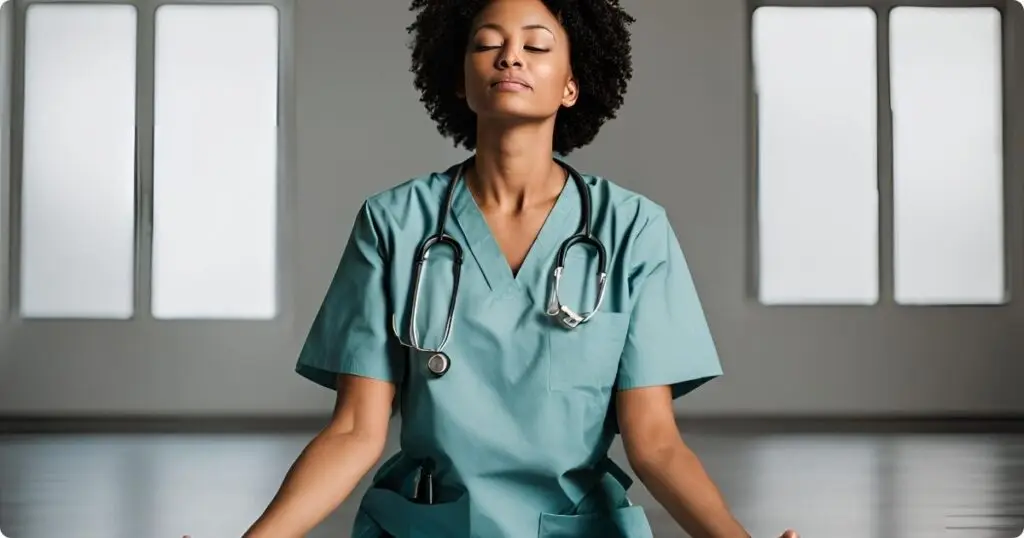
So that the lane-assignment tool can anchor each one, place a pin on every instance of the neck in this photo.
(514, 168)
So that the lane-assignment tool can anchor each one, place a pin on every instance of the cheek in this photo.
(475, 71)
(554, 80)
(473, 82)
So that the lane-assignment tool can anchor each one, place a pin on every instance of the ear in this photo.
(571, 92)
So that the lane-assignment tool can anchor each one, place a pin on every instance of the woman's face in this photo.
(517, 63)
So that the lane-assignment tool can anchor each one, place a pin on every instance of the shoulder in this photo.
(416, 193)
(626, 210)
(400, 215)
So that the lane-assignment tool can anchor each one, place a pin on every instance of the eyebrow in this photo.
(498, 27)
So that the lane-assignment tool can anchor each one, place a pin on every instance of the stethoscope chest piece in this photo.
(438, 364)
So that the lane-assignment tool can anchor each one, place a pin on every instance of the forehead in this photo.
(517, 13)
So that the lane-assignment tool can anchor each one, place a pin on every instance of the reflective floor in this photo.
(827, 485)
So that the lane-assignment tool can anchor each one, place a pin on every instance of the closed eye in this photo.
(483, 48)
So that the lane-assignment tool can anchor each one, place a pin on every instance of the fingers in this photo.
(790, 534)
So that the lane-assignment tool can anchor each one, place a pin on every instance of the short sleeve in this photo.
(350, 333)
(668, 341)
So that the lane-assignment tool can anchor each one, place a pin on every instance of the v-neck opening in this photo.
(484, 246)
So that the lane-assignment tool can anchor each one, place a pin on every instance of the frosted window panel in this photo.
(815, 76)
(947, 155)
(78, 172)
(215, 162)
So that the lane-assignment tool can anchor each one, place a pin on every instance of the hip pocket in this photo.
(587, 357)
(395, 515)
(386, 511)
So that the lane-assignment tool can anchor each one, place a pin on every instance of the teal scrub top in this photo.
(520, 426)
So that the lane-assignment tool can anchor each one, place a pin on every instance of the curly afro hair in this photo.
(600, 57)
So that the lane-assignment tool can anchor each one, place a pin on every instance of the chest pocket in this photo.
(587, 357)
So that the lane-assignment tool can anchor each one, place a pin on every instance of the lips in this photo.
(511, 83)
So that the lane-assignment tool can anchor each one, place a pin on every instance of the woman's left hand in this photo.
(790, 533)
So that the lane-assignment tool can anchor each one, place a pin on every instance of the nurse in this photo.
(512, 439)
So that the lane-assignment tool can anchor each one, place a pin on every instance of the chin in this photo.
(514, 114)
(511, 107)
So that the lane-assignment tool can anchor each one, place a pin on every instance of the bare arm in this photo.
(333, 463)
(669, 469)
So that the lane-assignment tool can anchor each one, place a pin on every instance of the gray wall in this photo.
(682, 138)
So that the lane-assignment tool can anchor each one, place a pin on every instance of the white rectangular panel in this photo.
(78, 171)
(815, 76)
(215, 174)
(946, 84)
(6, 62)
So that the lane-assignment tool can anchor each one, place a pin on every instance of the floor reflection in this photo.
(846, 485)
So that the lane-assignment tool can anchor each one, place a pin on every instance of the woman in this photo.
(517, 429)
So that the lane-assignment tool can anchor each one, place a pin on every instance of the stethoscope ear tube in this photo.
(582, 238)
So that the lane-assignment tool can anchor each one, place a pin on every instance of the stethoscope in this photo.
(439, 362)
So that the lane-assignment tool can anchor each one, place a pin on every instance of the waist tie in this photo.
(609, 490)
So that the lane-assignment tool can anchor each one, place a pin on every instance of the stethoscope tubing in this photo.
(439, 362)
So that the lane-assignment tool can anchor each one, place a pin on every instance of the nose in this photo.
(508, 58)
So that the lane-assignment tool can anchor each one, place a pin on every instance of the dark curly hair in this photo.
(600, 55)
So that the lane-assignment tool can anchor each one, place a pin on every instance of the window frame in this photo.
(10, 237)
(1013, 206)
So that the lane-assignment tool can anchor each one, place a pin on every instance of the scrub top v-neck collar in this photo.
(485, 249)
